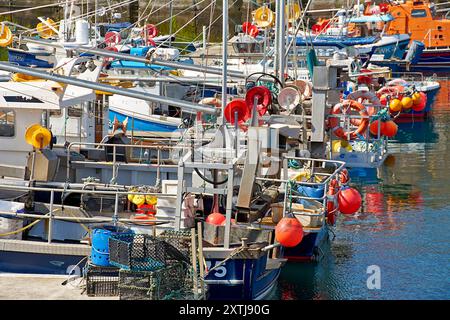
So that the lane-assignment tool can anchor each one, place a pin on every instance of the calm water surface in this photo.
(404, 227)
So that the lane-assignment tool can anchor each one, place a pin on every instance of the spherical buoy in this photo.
(416, 98)
(239, 106)
(364, 80)
(289, 232)
(349, 200)
(215, 218)
(395, 105)
(390, 129)
(138, 199)
(407, 102)
(374, 127)
(422, 103)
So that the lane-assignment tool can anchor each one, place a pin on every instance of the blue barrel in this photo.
(100, 243)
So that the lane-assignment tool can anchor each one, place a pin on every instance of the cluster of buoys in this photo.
(400, 99)
(243, 107)
(140, 199)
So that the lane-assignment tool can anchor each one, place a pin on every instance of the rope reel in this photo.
(239, 106)
(264, 17)
(263, 98)
(38, 136)
(6, 37)
(293, 11)
(289, 98)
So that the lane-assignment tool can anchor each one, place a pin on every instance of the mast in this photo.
(280, 46)
(224, 57)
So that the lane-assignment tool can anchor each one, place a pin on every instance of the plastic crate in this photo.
(137, 252)
(102, 281)
(167, 283)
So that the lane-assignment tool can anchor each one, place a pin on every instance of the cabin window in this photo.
(7, 123)
(418, 13)
(74, 111)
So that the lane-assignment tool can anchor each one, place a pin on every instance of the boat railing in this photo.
(174, 150)
(120, 191)
(408, 75)
(378, 143)
(316, 179)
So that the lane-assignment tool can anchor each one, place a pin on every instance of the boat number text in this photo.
(219, 272)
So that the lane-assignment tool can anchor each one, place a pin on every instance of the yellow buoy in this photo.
(395, 105)
(341, 145)
(293, 12)
(151, 200)
(264, 17)
(407, 102)
(44, 29)
(131, 196)
(138, 199)
(416, 98)
(38, 136)
(6, 37)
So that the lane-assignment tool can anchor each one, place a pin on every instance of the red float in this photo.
(422, 104)
(349, 200)
(374, 128)
(215, 218)
(384, 7)
(225, 221)
(390, 129)
(263, 98)
(289, 232)
(331, 210)
(239, 106)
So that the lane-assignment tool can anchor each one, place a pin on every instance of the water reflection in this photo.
(401, 227)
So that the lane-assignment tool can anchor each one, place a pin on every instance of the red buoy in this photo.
(239, 106)
(390, 129)
(263, 98)
(364, 80)
(422, 104)
(384, 7)
(246, 26)
(289, 232)
(374, 128)
(349, 200)
(215, 218)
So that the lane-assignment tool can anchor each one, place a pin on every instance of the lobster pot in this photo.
(8, 224)
(168, 283)
(82, 32)
(102, 281)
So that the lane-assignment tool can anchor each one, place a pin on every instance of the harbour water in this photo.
(402, 229)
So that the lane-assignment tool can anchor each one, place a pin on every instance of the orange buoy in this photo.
(349, 200)
(383, 100)
(215, 218)
(407, 102)
(390, 129)
(395, 105)
(239, 106)
(289, 232)
(374, 128)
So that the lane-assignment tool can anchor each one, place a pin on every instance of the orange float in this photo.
(289, 232)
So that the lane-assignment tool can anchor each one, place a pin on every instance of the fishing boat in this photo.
(422, 20)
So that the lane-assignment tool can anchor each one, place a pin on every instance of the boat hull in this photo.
(241, 279)
(308, 250)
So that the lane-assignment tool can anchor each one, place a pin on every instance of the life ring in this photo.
(150, 31)
(112, 38)
(211, 102)
(6, 37)
(362, 96)
(333, 189)
(342, 108)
